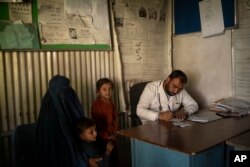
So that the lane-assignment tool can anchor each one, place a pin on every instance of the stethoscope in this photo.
(159, 98)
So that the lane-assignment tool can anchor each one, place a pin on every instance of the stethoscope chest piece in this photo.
(160, 107)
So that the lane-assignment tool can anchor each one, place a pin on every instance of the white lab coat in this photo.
(154, 96)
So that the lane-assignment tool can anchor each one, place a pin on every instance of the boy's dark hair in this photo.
(179, 74)
(83, 124)
(102, 81)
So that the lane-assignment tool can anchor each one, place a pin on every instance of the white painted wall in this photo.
(207, 63)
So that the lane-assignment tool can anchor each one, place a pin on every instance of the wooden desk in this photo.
(241, 142)
(163, 144)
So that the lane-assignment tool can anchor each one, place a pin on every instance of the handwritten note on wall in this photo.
(212, 22)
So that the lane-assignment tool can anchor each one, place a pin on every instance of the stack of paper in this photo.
(181, 124)
(232, 106)
(177, 120)
(231, 103)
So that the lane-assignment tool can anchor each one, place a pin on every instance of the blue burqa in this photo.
(57, 140)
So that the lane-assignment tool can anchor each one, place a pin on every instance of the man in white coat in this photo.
(167, 99)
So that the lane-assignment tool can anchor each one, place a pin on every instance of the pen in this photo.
(169, 108)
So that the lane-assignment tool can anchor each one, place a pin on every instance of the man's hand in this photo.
(165, 116)
(181, 114)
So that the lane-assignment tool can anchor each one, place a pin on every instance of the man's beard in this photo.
(170, 93)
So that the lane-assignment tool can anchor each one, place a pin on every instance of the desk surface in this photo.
(190, 140)
(242, 141)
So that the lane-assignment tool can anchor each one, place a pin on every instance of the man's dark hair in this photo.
(83, 124)
(102, 81)
(179, 74)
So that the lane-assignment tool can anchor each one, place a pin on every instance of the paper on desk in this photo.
(198, 119)
(181, 124)
(211, 16)
(177, 120)
(203, 116)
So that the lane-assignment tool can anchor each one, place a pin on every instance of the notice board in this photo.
(187, 16)
(60, 24)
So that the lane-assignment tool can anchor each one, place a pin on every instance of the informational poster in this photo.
(20, 12)
(17, 29)
(143, 31)
(241, 53)
(212, 22)
(80, 22)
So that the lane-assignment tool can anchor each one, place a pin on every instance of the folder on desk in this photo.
(204, 116)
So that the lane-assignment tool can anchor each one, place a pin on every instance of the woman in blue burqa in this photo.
(57, 140)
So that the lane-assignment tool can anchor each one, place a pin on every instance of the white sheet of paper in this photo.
(212, 22)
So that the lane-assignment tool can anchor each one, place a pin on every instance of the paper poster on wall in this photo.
(143, 34)
(74, 22)
(241, 53)
(212, 22)
(20, 11)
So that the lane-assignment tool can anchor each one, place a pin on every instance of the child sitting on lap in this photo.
(87, 133)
